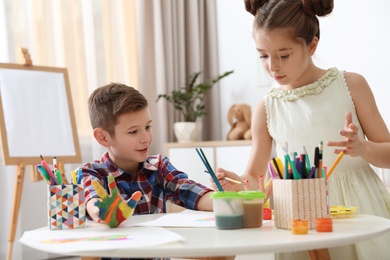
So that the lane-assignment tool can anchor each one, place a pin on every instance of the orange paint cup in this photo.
(299, 227)
(324, 224)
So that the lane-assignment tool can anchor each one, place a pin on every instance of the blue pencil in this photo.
(207, 165)
(79, 176)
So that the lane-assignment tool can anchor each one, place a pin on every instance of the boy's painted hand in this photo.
(113, 209)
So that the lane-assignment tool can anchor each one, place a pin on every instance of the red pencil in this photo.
(46, 166)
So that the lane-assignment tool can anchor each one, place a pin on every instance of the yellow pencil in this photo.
(268, 182)
(267, 203)
(335, 164)
(74, 177)
(229, 179)
(233, 180)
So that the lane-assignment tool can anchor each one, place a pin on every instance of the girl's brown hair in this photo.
(297, 16)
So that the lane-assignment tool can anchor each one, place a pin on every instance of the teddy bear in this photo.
(239, 118)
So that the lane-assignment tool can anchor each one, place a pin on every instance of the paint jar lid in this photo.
(225, 195)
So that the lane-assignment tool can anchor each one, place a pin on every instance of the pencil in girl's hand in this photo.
(233, 180)
(228, 179)
(335, 164)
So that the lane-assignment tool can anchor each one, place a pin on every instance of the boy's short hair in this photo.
(108, 102)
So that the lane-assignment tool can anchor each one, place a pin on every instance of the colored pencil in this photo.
(208, 167)
(336, 162)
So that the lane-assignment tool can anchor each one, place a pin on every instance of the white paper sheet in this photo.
(97, 238)
(186, 218)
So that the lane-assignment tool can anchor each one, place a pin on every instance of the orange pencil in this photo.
(335, 164)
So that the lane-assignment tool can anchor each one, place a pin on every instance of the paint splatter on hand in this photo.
(113, 209)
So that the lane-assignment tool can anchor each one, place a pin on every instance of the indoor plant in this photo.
(189, 101)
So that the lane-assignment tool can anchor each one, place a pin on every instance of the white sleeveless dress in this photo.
(314, 113)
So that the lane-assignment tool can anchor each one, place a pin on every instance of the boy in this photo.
(122, 123)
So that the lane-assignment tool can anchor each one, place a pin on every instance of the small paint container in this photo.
(252, 203)
(267, 213)
(299, 227)
(324, 225)
(228, 209)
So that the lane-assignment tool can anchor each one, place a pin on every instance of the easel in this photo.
(18, 186)
(21, 161)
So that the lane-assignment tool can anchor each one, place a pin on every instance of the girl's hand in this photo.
(352, 143)
(113, 209)
(227, 185)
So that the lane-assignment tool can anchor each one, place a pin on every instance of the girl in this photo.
(311, 105)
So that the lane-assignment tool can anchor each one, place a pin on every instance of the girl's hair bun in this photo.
(313, 7)
(253, 5)
(318, 7)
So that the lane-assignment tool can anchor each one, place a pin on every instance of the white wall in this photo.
(237, 51)
(354, 37)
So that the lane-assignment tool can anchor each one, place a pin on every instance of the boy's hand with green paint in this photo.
(113, 209)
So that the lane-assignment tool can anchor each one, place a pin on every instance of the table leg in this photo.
(319, 254)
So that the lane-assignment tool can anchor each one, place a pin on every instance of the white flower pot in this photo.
(187, 131)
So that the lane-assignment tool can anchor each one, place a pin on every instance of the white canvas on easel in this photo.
(45, 123)
(37, 115)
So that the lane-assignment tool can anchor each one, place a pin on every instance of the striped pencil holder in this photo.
(305, 199)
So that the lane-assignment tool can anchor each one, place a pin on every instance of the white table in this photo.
(201, 242)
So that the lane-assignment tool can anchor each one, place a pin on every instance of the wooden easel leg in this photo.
(319, 254)
(15, 207)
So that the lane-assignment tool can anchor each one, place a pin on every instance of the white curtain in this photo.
(175, 39)
(152, 45)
